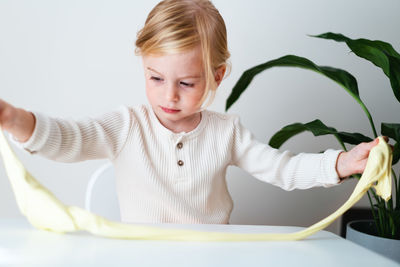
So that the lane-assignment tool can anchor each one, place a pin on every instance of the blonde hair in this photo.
(175, 26)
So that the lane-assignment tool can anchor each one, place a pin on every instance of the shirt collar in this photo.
(161, 129)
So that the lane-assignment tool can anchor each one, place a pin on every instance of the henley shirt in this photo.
(167, 177)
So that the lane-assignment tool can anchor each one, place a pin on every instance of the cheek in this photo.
(150, 92)
(195, 97)
(200, 92)
(199, 95)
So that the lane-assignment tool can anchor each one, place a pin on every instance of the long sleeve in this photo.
(162, 176)
(283, 168)
(70, 141)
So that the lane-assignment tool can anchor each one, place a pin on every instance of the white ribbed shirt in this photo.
(163, 176)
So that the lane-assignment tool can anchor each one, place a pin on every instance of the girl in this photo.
(171, 156)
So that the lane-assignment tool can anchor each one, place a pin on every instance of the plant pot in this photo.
(363, 233)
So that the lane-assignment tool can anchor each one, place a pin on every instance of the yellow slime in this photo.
(45, 211)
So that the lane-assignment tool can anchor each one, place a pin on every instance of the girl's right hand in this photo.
(18, 122)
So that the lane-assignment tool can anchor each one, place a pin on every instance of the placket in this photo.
(180, 166)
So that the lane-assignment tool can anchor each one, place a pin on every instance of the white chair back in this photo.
(101, 194)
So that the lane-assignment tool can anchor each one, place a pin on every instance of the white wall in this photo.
(76, 58)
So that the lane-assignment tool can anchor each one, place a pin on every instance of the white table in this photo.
(22, 245)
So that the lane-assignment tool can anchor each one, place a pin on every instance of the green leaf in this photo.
(317, 128)
(380, 53)
(394, 73)
(396, 153)
(392, 130)
(342, 77)
(332, 36)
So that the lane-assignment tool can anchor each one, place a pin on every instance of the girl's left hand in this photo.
(355, 160)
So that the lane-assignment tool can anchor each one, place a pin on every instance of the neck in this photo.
(187, 125)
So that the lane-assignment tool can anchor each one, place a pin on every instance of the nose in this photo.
(172, 93)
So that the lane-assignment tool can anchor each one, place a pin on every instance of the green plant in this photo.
(386, 214)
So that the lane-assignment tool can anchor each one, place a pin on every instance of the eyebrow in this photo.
(185, 77)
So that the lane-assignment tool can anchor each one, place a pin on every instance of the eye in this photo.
(155, 78)
(187, 84)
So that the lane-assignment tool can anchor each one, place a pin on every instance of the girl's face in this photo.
(175, 85)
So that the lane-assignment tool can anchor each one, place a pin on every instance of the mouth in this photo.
(170, 110)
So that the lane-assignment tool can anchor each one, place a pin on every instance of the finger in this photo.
(374, 142)
(368, 146)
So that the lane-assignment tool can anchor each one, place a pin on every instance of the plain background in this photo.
(76, 58)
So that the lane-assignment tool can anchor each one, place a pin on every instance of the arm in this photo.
(283, 168)
(67, 140)
(18, 122)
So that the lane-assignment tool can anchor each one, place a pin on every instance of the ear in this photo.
(219, 74)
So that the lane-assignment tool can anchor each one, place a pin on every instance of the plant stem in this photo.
(359, 101)
(369, 118)
(381, 215)
(340, 142)
(397, 190)
(390, 219)
(382, 220)
(376, 219)
(385, 219)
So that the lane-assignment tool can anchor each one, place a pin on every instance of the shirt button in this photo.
(179, 145)
(180, 162)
